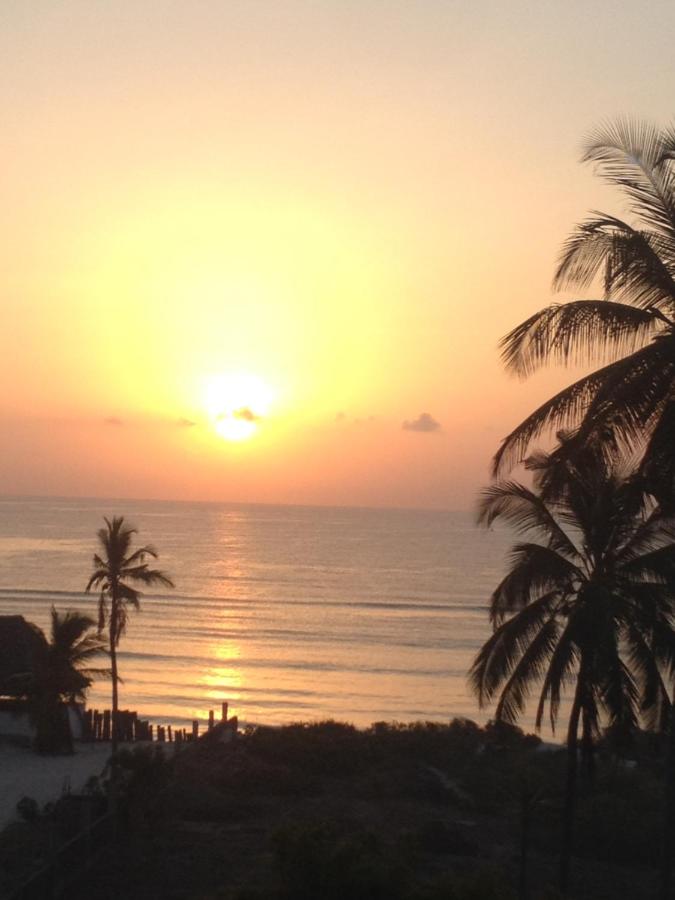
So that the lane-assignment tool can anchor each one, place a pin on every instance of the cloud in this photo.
(424, 423)
(246, 414)
(113, 420)
(185, 423)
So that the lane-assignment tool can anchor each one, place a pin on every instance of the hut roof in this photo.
(19, 642)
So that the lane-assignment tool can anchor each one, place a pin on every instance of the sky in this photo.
(265, 251)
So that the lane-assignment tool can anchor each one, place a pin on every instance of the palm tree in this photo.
(631, 329)
(586, 604)
(116, 569)
(61, 673)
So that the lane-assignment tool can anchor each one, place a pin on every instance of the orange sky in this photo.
(349, 201)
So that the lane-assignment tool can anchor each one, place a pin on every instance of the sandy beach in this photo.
(24, 773)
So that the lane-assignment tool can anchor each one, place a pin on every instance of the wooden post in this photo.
(223, 715)
(211, 719)
(169, 735)
(195, 729)
(106, 725)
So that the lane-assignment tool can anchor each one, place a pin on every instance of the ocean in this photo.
(288, 613)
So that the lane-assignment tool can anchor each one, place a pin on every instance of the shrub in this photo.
(28, 809)
(319, 860)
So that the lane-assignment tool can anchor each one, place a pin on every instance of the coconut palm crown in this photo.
(70, 653)
(587, 600)
(631, 329)
(61, 673)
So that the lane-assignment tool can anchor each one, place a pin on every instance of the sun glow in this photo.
(236, 403)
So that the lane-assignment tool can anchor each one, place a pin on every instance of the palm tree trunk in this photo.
(587, 748)
(669, 830)
(525, 817)
(570, 790)
(115, 701)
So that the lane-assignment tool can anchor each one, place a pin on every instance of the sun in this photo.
(236, 403)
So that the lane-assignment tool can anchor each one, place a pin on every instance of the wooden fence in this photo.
(97, 726)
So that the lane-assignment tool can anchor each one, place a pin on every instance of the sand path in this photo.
(25, 774)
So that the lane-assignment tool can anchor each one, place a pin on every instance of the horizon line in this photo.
(97, 498)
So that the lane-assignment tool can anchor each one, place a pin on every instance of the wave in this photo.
(219, 603)
(264, 663)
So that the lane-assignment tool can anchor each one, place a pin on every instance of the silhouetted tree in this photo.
(587, 602)
(61, 673)
(117, 568)
(632, 328)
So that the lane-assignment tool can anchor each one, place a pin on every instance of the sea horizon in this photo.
(96, 498)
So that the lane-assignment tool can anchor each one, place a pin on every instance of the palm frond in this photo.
(633, 398)
(533, 568)
(657, 565)
(139, 555)
(630, 154)
(637, 266)
(500, 653)
(564, 658)
(608, 680)
(525, 511)
(655, 702)
(529, 670)
(621, 397)
(653, 532)
(579, 332)
(658, 462)
(566, 408)
(97, 578)
(143, 574)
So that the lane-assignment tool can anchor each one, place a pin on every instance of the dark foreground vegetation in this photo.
(396, 812)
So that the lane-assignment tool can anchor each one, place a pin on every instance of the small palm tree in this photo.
(116, 569)
(61, 674)
(587, 603)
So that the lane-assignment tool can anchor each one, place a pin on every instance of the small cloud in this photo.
(185, 423)
(113, 420)
(424, 423)
(246, 414)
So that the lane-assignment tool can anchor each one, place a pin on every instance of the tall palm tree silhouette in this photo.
(116, 569)
(587, 602)
(632, 329)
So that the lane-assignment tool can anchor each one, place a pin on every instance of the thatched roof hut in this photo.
(20, 642)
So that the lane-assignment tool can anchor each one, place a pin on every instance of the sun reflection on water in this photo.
(223, 683)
